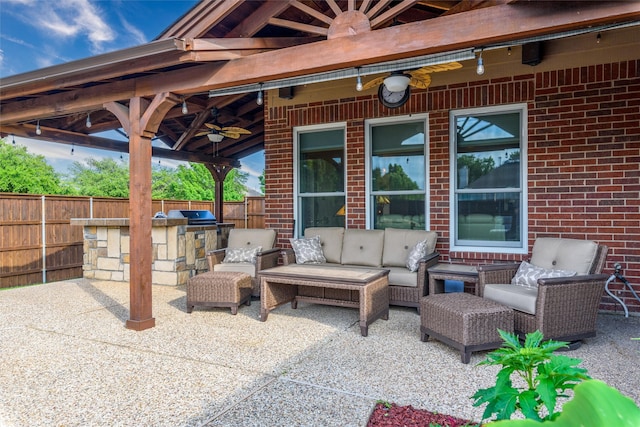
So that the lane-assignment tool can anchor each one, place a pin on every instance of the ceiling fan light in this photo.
(397, 82)
(215, 137)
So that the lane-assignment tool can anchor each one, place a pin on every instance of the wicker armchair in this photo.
(564, 308)
(248, 238)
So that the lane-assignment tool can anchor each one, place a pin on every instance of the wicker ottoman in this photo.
(219, 289)
(464, 321)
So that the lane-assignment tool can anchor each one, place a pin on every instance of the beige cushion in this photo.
(400, 276)
(398, 243)
(362, 247)
(251, 238)
(240, 267)
(564, 254)
(330, 240)
(521, 298)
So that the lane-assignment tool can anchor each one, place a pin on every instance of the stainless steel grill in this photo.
(194, 217)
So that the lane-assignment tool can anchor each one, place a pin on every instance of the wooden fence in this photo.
(38, 244)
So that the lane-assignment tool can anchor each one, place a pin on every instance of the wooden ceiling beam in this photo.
(377, 8)
(475, 28)
(197, 22)
(82, 140)
(262, 43)
(258, 19)
(391, 13)
(334, 7)
(312, 12)
(299, 26)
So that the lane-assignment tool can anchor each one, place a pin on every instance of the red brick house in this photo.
(546, 142)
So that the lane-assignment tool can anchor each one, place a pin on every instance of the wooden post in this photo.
(140, 121)
(141, 248)
(219, 173)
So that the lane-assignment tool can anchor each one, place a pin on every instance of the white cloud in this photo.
(136, 34)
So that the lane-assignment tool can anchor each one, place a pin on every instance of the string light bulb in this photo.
(260, 99)
(88, 123)
(38, 130)
(480, 68)
(13, 137)
(598, 38)
(185, 110)
(72, 149)
(358, 81)
(509, 51)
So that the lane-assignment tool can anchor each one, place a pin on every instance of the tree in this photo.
(262, 182)
(395, 179)
(100, 178)
(23, 172)
(194, 182)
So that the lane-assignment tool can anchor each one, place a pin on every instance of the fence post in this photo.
(90, 207)
(44, 241)
(246, 212)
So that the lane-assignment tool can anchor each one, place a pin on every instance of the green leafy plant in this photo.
(594, 404)
(546, 377)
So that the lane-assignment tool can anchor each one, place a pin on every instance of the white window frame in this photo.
(453, 214)
(368, 124)
(297, 130)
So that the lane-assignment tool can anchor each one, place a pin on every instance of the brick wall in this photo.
(583, 157)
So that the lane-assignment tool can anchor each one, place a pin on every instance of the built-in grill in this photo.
(194, 217)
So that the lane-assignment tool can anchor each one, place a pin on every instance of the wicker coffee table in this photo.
(464, 321)
(279, 285)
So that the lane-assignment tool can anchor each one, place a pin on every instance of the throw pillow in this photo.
(235, 255)
(528, 275)
(418, 252)
(308, 251)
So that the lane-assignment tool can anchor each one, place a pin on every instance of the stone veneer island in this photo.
(179, 249)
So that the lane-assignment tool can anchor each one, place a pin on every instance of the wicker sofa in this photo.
(387, 249)
(562, 308)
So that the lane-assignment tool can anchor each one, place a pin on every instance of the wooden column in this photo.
(140, 214)
(219, 173)
(141, 120)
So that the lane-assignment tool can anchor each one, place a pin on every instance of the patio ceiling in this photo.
(227, 43)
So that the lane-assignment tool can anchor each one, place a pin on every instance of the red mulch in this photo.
(407, 416)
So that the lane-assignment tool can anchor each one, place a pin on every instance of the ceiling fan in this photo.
(217, 133)
(394, 89)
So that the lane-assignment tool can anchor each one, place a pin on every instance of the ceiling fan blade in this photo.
(437, 68)
(373, 83)
(238, 130)
(212, 126)
(233, 135)
(421, 82)
(203, 133)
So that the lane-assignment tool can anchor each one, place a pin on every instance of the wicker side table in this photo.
(441, 272)
(219, 289)
(464, 321)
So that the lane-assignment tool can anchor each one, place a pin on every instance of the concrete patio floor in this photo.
(68, 360)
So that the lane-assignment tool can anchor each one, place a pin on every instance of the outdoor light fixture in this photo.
(88, 123)
(72, 149)
(598, 38)
(260, 100)
(185, 110)
(358, 81)
(509, 51)
(480, 68)
(13, 137)
(397, 82)
(38, 130)
(215, 137)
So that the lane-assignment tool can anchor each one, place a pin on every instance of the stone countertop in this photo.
(124, 222)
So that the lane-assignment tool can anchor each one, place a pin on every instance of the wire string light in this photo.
(358, 81)
(480, 68)
(88, 123)
(260, 99)
(72, 149)
(38, 130)
(185, 110)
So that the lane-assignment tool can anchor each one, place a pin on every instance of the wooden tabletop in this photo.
(320, 272)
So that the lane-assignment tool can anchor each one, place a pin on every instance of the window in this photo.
(397, 172)
(320, 177)
(488, 168)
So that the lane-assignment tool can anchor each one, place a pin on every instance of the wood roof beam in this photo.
(260, 43)
(391, 13)
(298, 26)
(312, 12)
(485, 26)
(197, 21)
(258, 19)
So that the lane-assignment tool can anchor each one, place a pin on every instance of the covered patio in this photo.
(67, 360)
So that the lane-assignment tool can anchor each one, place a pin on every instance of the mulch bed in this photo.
(385, 415)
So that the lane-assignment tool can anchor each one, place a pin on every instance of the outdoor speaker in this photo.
(286, 92)
(532, 53)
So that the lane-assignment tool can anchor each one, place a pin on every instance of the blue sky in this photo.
(39, 33)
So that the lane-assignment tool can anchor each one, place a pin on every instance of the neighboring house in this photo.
(545, 143)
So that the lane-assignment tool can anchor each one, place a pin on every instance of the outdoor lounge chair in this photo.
(241, 242)
(564, 304)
